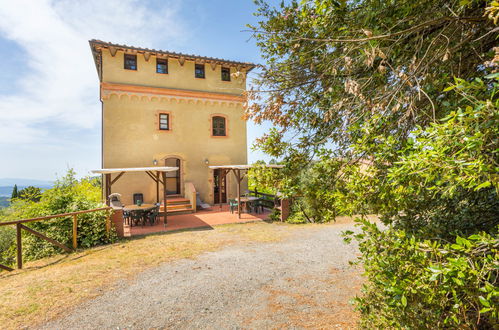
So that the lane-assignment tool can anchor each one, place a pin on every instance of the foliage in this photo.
(67, 195)
(7, 248)
(265, 180)
(333, 66)
(379, 90)
(339, 78)
(275, 215)
(15, 193)
(31, 193)
(444, 181)
(369, 118)
(420, 283)
(328, 187)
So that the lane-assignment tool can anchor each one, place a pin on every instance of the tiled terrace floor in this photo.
(200, 219)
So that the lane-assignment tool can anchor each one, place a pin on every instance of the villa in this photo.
(161, 108)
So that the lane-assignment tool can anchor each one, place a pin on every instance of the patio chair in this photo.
(152, 215)
(258, 205)
(233, 205)
(127, 219)
(137, 217)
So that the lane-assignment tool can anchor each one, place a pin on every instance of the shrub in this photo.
(7, 251)
(275, 215)
(419, 283)
(67, 195)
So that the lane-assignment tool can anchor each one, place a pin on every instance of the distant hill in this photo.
(10, 182)
(7, 184)
(4, 201)
(6, 191)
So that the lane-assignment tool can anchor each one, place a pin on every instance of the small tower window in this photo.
(218, 124)
(199, 71)
(226, 74)
(161, 65)
(164, 121)
(130, 62)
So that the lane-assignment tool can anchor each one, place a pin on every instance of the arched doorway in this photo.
(173, 178)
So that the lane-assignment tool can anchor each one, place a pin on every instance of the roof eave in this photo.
(94, 43)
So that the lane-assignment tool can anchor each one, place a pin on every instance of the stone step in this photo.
(177, 201)
(181, 211)
(178, 209)
(173, 196)
(179, 206)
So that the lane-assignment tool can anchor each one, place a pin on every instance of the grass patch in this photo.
(48, 287)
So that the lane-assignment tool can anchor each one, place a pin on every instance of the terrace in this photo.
(204, 219)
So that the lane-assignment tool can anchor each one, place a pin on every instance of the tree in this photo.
(15, 194)
(348, 85)
(336, 72)
(409, 88)
(31, 193)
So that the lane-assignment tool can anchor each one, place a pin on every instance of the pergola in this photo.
(239, 172)
(157, 173)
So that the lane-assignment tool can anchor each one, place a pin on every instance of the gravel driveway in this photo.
(304, 281)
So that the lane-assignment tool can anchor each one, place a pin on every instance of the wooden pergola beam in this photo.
(157, 187)
(163, 175)
(150, 171)
(117, 178)
(152, 176)
(237, 173)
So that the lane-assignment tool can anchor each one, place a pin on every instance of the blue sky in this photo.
(49, 95)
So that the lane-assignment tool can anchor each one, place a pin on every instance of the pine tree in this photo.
(15, 194)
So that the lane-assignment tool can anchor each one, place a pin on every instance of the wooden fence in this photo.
(269, 200)
(19, 226)
(273, 201)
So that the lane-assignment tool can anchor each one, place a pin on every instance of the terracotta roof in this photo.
(97, 45)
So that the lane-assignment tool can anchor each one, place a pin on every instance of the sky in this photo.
(49, 89)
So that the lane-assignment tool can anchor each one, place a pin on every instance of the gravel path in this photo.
(304, 281)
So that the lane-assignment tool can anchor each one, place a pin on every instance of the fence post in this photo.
(108, 223)
(19, 247)
(285, 208)
(75, 231)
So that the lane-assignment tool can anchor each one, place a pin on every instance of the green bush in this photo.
(372, 81)
(67, 195)
(420, 283)
(7, 251)
(275, 215)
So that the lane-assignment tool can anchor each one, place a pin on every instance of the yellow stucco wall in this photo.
(178, 77)
(131, 137)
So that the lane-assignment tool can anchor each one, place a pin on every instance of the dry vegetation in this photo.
(47, 288)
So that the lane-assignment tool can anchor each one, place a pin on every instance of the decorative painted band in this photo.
(171, 92)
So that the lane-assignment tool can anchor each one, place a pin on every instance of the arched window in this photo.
(218, 126)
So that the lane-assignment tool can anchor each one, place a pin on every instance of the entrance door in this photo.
(173, 178)
(217, 188)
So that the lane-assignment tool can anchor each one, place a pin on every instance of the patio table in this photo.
(247, 200)
(139, 210)
(143, 207)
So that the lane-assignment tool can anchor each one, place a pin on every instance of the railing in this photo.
(273, 201)
(269, 200)
(190, 194)
(19, 226)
